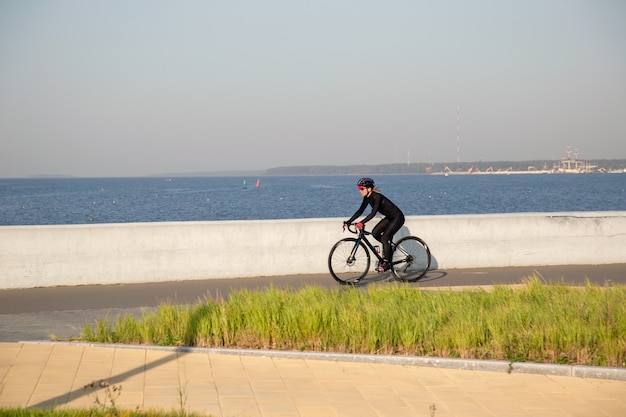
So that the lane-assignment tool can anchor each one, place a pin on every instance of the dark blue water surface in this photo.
(122, 200)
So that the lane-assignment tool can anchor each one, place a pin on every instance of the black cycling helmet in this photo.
(366, 182)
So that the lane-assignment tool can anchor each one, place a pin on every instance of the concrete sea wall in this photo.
(43, 256)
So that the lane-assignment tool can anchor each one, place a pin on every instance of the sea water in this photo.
(122, 200)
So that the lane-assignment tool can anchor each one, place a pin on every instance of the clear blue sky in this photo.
(131, 88)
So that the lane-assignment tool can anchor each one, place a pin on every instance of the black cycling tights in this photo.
(384, 231)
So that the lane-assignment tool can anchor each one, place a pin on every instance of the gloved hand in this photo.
(359, 226)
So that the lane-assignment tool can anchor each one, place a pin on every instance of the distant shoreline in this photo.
(418, 168)
(460, 168)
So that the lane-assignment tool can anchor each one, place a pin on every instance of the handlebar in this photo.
(352, 229)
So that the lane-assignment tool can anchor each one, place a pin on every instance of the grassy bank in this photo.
(550, 323)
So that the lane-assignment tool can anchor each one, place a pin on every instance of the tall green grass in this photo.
(551, 323)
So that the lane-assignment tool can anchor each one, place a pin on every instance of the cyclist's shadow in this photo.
(433, 273)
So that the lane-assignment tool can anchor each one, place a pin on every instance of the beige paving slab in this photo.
(233, 405)
(317, 411)
(50, 374)
(354, 409)
(297, 384)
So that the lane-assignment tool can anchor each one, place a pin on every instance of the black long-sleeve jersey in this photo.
(380, 204)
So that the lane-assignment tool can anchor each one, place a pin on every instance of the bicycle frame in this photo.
(362, 238)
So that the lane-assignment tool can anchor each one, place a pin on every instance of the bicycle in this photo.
(349, 259)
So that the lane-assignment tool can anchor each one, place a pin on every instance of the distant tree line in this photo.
(604, 165)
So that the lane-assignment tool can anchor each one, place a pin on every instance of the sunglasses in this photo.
(358, 187)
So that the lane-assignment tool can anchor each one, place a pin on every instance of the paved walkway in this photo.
(261, 384)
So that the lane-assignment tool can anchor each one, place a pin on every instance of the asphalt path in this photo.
(61, 312)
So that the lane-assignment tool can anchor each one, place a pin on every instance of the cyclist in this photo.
(387, 227)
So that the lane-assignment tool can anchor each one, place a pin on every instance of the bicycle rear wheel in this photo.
(348, 262)
(411, 259)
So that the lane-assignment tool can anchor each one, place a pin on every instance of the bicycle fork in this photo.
(352, 257)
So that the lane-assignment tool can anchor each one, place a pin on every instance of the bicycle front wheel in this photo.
(411, 259)
(348, 261)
